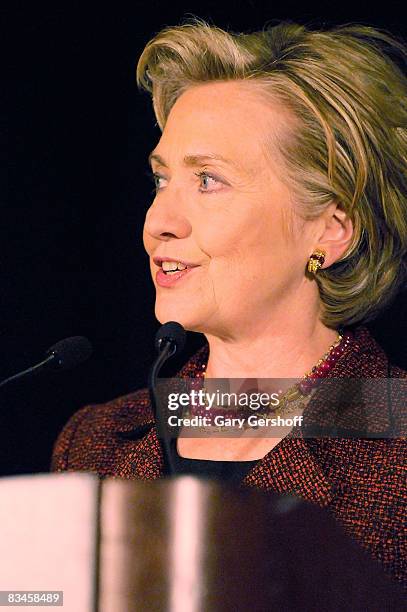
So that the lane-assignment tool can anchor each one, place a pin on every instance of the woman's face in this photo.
(222, 208)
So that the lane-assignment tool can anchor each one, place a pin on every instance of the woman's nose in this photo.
(165, 220)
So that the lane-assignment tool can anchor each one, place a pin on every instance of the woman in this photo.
(279, 220)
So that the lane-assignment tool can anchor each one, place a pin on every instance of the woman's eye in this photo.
(157, 180)
(207, 181)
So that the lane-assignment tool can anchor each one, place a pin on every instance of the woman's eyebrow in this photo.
(194, 160)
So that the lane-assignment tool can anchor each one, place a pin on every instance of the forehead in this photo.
(230, 119)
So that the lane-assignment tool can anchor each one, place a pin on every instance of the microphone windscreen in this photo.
(70, 352)
(173, 332)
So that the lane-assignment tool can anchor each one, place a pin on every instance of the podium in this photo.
(181, 545)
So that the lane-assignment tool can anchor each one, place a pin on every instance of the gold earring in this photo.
(315, 261)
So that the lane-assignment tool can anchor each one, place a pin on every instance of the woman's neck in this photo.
(276, 352)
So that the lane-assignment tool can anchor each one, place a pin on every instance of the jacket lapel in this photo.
(142, 459)
(292, 468)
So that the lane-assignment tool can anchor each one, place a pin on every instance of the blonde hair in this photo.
(347, 89)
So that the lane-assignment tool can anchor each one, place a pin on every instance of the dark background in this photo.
(75, 138)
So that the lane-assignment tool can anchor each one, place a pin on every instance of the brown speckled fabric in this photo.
(361, 482)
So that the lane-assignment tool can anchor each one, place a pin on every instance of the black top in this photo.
(231, 471)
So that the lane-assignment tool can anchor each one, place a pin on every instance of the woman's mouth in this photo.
(171, 271)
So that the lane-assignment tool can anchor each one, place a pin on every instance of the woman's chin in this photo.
(165, 313)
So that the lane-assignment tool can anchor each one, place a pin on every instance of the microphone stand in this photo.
(29, 371)
(167, 350)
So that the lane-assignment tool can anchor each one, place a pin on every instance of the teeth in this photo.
(172, 266)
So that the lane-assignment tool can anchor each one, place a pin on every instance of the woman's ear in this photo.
(336, 233)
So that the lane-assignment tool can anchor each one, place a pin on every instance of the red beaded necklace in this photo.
(311, 379)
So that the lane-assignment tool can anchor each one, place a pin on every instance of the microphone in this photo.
(173, 334)
(169, 339)
(63, 355)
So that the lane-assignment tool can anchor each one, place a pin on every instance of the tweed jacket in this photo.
(361, 482)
